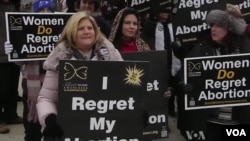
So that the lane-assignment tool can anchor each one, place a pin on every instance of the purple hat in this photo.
(39, 4)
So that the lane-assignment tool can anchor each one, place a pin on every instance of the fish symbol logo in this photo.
(80, 72)
(15, 21)
(194, 66)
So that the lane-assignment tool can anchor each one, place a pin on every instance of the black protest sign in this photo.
(155, 103)
(217, 81)
(141, 6)
(34, 35)
(244, 6)
(189, 19)
(101, 100)
(144, 6)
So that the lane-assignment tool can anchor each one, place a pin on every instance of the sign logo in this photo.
(15, 21)
(194, 69)
(133, 76)
(192, 66)
(71, 72)
(236, 132)
(195, 135)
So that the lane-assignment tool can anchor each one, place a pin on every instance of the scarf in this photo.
(159, 37)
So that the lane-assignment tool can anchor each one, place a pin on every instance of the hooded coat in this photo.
(140, 43)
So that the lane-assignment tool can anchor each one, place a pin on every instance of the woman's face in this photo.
(218, 33)
(163, 16)
(130, 26)
(45, 10)
(85, 37)
(87, 6)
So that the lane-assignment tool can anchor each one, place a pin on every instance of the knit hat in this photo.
(39, 4)
(230, 19)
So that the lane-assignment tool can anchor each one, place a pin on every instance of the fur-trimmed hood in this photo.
(140, 43)
(64, 51)
(230, 19)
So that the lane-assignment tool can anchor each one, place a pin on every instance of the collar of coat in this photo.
(63, 51)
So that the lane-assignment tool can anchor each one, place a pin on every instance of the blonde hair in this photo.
(69, 32)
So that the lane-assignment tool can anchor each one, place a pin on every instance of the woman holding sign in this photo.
(80, 39)
(33, 75)
(227, 36)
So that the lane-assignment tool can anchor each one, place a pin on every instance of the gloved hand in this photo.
(186, 87)
(177, 48)
(8, 47)
(52, 129)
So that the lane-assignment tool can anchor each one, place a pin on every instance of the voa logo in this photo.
(236, 132)
(195, 135)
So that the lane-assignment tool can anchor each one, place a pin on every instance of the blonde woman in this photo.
(80, 39)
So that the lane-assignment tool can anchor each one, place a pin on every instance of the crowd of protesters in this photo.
(119, 32)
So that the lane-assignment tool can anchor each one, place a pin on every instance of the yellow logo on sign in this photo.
(133, 76)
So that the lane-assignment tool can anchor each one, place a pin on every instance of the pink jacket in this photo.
(47, 99)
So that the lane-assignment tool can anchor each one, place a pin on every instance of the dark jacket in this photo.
(196, 120)
(3, 36)
(148, 33)
(104, 25)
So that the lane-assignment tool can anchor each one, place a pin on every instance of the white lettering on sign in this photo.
(102, 106)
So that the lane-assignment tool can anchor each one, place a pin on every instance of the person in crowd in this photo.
(33, 75)
(227, 36)
(93, 7)
(9, 74)
(63, 6)
(158, 33)
(80, 39)
(71, 5)
(125, 32)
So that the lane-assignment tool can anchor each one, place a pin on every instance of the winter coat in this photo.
(48, 96)
(196, 120)
(148, 33)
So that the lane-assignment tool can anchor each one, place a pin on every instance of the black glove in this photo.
(52, 129)
(186, 87)
(177, 48)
